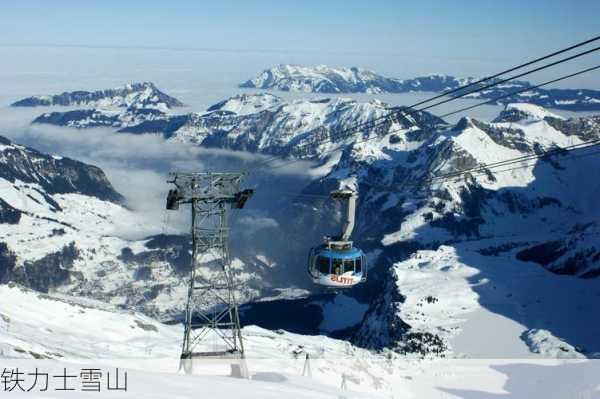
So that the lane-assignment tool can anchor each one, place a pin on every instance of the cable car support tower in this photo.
(211, 313)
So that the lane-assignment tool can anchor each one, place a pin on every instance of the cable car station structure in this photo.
(211, 313)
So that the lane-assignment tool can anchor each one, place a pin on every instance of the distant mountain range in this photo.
(134, 95)
(325, 79)
(303, 128)
(254, 122)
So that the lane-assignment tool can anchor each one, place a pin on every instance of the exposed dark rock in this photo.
(48, 272)
(382, 327)
(504, 136)
(166, 126)
(146, 326)
(55, 175)
(172, 249)
(94, 117)
(519, 203)
(502, 248)
(544, 254)
(587, 128)
(8, 261)
(423, 343)
(143, 273)
(468, 227)
(8, 214)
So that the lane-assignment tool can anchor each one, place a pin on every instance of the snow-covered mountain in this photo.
(266, 123)
(22, 166)
(258, 123)
(479, 233)
(64, 228)
(116, 108)
(101, 117)
(398, 217)
(486, 245)
(325, 79)
(244, 104)
(288, 128)
(134, 95)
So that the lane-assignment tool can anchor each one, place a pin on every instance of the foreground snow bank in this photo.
(54, 333)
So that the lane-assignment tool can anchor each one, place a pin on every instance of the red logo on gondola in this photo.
(341, 279)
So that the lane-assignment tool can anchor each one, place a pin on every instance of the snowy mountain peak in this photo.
(244, 104)
(133, 95)
(326, 79)
(521, 128)
(515, 112)
(320, 79)
(138, 86)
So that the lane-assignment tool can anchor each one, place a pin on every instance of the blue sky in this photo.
(482, 34)
(362, 26)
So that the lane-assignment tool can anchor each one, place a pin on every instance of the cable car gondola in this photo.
(337, 263)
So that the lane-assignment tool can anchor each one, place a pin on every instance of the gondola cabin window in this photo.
(338, 264)
(323, 265)
(348, 266)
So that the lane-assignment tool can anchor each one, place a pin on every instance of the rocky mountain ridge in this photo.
(255, 122)
(144, 95)
(498, 213)
(326, 79)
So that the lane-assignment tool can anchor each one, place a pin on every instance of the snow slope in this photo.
(514, 112)
(57, 332)
(466, 298)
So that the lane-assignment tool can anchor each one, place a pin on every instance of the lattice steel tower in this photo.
(211, 314)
